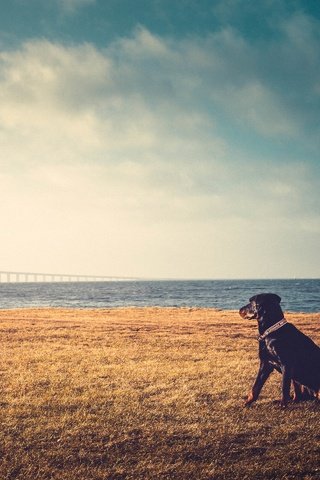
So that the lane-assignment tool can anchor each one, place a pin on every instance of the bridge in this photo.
(24, 277)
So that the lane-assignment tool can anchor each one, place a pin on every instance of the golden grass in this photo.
(145, 393)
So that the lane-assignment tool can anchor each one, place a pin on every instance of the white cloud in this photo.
(112, 158)
(259, 108)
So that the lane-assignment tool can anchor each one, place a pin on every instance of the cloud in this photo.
(125, 157)
(257, 106)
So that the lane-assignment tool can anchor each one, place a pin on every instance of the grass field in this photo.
(147, 393)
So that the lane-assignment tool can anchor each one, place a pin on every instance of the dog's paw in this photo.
(283, 404)
(279, 404)
(249, 400)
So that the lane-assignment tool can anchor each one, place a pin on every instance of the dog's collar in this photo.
(274, 327)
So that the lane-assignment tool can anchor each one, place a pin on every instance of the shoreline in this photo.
(143, 308)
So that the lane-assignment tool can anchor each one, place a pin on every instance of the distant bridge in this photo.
(19, 277)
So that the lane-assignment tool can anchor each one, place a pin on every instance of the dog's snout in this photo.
(242, 311)
(246, 311)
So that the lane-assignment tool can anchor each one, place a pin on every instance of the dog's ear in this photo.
(276, 297)
(262, 298)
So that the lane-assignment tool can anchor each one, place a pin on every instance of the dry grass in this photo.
(145, 394)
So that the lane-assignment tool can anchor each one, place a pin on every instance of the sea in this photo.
(298, 295)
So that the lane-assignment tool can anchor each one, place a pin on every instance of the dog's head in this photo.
(262, 306)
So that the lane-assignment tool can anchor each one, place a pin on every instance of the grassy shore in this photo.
(151, 393)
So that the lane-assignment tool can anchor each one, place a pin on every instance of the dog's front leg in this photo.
(263, 374)
(286, 383)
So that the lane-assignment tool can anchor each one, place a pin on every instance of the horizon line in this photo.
(96, 277)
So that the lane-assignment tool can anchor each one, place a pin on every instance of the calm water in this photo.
(297, 295)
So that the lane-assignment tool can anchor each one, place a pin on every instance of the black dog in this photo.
(284, 348)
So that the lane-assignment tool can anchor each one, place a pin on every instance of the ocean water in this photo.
(297, 295)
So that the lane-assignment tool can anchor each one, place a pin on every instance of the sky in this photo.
(160, 138)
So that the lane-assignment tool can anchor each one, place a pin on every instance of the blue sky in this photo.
(160, 139)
